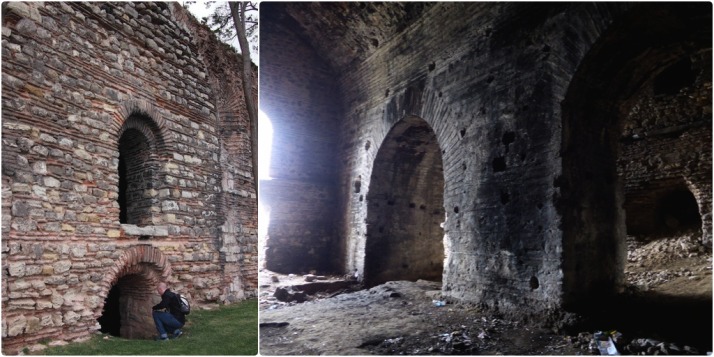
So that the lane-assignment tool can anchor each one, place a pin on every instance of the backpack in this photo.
(184, 305)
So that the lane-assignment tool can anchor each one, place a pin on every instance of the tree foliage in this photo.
(220, 21)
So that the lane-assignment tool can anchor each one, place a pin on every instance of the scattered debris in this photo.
(614, 343)
(278, 291)
(648, 346)
(462, 329)
(605, 344)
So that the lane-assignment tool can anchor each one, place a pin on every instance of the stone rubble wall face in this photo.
(654, 162)
(238, 233)
(72, 75)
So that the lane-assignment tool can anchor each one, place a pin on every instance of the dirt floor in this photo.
(665, 310)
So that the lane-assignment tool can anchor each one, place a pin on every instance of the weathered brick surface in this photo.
(527, 104)
(83, 85)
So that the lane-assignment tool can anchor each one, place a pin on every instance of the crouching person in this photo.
(167, 314)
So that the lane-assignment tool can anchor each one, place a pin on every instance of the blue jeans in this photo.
(163, 321)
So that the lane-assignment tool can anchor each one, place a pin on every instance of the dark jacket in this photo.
(170, 301)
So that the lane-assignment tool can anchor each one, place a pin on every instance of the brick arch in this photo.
(143, 116)
(701, 192)
(427, 105)
(130, 263)
(146, 127)
(414, 101)
(620, 54)
(405, 206)
(144, 143)
(136, 272)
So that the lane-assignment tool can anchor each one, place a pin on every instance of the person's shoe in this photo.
(160, 338)
(178, 333)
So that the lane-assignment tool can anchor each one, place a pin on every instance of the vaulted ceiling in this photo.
(344, 33)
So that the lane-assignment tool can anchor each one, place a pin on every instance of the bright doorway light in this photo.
(265, 145)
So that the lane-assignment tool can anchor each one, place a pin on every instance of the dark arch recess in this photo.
(129, 292)
(406, 206)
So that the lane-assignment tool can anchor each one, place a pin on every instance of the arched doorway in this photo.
(624, 142)
(665, 208)
(126, 311)
(405, 207)
(623, 63)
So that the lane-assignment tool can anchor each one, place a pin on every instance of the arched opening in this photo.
(130, 292)
(405, 207)
(678, 211)
(127, 307)
(666, 210)
(123, 216)
(595, 124)
(138, 173)
(637, 109)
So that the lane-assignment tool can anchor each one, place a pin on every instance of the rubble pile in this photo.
(650, 264)
(649, 279)
(664, 250)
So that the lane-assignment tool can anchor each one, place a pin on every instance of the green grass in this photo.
(228, 330)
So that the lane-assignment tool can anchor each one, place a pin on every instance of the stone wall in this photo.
(85, 87)
(525, 104)
(238, 237)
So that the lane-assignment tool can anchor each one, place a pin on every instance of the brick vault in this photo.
(125, 161)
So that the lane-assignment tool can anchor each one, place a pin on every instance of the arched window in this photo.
(138, 172)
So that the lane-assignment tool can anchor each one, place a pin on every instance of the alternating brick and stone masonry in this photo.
(125, 161)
